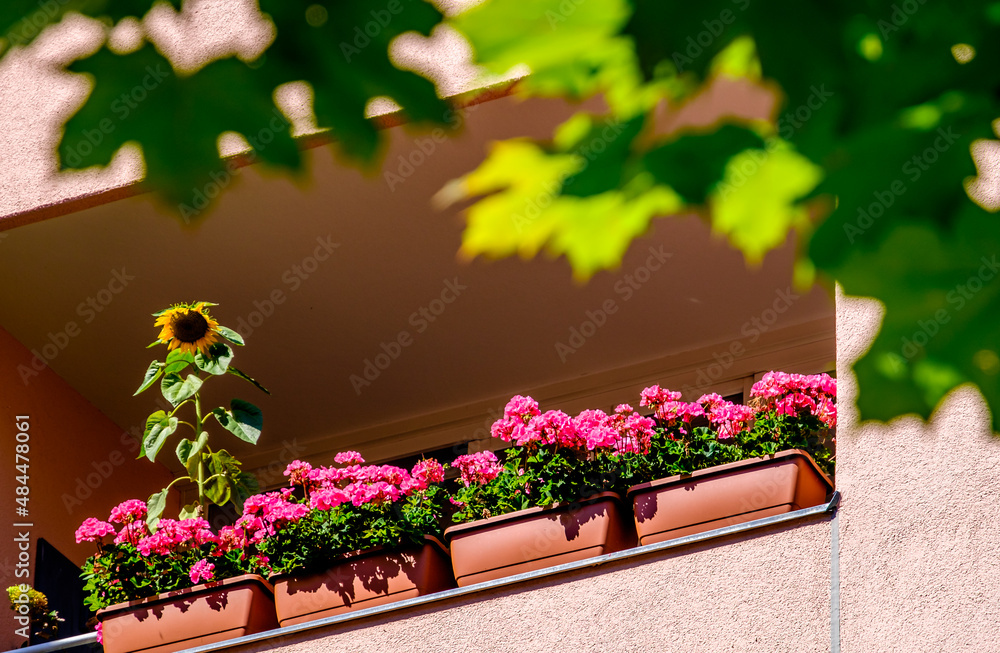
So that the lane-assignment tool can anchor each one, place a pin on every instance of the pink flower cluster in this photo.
(202, 570)
(524, 424)
(478, 468)
(634, 432)
(793, 394)
(427, 472)
(358, 484)
(727, 418)
(172, 534)
(93, 530)
(668, 407)
(130, 513)
(263, 515)
(131, 533)
(348, 458)
(654, 397)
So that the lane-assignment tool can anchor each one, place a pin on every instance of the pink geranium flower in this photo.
(131, 533)
(298, 472)
(654, 396)
(128, 511)
(425, 473)
(478, 468)
(348, 458)
(327, 498)
(523, 408)
(202, 570)
(93, 530)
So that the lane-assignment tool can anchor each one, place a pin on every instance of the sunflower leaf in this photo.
(187, 449)
(152, 373)
(189, 511)
(244, 420)
(216, 360)
(219, 490)
(246, 377)
(176, 389)
(159, 426)
(177, 360)
(244, 486)
(155, 505)
(151, 421)
(230, 335)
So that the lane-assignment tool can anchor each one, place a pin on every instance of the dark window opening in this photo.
(59, 580)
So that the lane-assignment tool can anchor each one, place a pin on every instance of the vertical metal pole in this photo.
(835, 583)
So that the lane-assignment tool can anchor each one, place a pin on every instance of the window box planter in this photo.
(727, 494)
(203, 614)
(537, 538)
(363, 579)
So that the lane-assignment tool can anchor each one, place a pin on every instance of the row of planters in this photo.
(353, 535)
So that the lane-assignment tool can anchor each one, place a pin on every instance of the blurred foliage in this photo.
(864, 158)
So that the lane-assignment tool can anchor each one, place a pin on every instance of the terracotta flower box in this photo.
(727, 494)
(537, 538)
(199, 615)
(363, 579)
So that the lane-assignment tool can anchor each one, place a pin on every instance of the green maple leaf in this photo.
(756, 210)
(176, 119)
(941, 326)
(342, 50)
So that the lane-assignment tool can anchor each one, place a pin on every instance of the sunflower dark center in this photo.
(190, 327)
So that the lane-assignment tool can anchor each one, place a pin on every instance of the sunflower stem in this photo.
(178, 407)
(202, 499)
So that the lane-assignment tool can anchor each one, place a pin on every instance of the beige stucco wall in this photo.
(920, 523)
(767, 593)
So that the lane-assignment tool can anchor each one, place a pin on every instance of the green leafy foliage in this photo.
(216, 360)
(177, 389)
(573, 49)
(582, 196)
(152, 374)
(942, 332)
(139, 97)
(694, 163)
(323, 536)
(533, 476)
(156, 504)
(119, 573)
(188, 449)
(876, 114)
(230, 335)
(342, 50)
(159, 426)
(757, 210)
(243, 375)
(244, 420)
(224, 470)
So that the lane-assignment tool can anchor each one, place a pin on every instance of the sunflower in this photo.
(187, 326)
